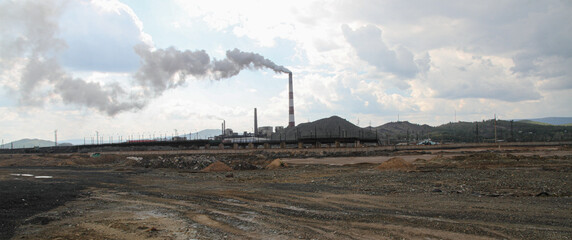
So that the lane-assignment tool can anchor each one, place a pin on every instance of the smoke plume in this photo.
(237, 60)
(162, 69)
(29, 44)
(107, 99)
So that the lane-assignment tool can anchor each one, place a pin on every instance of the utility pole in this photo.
(97, 137)
(56, 137)
(477, 132)
(495, 127)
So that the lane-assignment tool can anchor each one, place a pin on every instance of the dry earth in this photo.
(462, 194)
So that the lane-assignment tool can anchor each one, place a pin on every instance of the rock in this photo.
(543, 194)
(137, 159)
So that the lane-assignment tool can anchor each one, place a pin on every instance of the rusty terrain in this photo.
(522, 193)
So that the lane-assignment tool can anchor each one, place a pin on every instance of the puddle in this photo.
(28, 175)
(22, 174)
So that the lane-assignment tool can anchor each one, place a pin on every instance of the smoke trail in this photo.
(28, 41)
(107, 99)
(168, 68)
(244, 60)
(163, 69)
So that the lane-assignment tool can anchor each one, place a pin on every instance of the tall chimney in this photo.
(291, 102)
(255, 124)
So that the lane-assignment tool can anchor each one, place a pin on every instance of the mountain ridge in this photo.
(28, 143)
(335, 126)
(558, 121)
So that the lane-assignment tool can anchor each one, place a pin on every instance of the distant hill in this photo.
(28, 143)
(399, 132)
(207, 133)
(399, 128)
(484, 131)
(534, 122)
(549, 120)
(324, 128)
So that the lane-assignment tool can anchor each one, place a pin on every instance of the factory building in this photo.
(265, 131)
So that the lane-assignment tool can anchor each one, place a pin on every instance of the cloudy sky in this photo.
(149, 67)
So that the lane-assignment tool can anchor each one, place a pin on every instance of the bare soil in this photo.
(462, 194)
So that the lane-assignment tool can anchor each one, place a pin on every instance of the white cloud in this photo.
(101, 36)
(530, 33)
(369, 45)
(456, 74)
(365, 58)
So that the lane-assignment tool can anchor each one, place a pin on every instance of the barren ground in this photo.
(460, 194)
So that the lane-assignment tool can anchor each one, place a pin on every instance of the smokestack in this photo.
(291, 102)
(255, 124)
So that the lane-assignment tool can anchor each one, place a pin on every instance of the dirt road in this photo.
(466, 196)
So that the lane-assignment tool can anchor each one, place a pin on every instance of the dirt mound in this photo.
(277, 163)
(217, 167)
(396, 163)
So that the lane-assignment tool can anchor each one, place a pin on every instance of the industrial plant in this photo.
(260, 134)
(332, 132)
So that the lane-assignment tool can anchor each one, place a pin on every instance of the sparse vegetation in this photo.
(459, 132)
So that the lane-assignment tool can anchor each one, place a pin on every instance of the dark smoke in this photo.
(162, 69)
